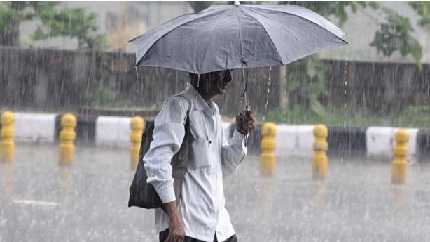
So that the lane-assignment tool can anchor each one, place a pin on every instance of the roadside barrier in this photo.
(113, 131)
(287, 141)
(67, 139)
(399, 164)
(380, 142)
(35, 128)
(268, 146)
(137, 126)
(294, 141)
(7, 135)
(320, 160)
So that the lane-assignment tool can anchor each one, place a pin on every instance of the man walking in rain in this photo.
(198, 213)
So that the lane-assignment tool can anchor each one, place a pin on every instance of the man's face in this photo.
(216, 83)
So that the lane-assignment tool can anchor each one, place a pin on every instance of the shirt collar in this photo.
(199, 101)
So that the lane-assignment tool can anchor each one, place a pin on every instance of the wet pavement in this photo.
(41, 201)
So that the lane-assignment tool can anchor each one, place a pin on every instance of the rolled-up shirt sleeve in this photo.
(233, 151)
(167, 138)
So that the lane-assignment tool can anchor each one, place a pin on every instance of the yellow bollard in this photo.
(67, 139)
(136, 125)
(399, 163)
(7, 136)
(320, 160)
(268, 145)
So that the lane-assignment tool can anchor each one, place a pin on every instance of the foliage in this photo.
(198, 6)
(53, 22)
(395, 34)
(309, 78)
(6, 14)
(423, 10)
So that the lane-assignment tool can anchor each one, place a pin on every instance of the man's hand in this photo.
(176, 229)
(245, 122)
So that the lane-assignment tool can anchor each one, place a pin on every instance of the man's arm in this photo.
(176, 229)
(168, 135)
(234, 150)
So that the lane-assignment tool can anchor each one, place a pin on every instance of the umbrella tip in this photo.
(236, 3)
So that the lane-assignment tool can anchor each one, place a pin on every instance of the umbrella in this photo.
(236, 36)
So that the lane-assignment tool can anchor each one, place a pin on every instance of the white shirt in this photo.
(202, 204)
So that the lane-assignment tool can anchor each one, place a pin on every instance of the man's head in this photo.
(211, 84)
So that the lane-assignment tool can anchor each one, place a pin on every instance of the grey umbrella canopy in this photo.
(236, 36)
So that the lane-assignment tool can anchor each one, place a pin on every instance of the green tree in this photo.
(53, 21)
(396, 35)
(198, 6)
(308, 80)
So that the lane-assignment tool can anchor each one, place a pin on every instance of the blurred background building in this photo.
(120, 21)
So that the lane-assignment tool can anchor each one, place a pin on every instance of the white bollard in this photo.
(113, 131)
(294, 141)
(35, 127)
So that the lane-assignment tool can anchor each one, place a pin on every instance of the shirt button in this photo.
(210, 141)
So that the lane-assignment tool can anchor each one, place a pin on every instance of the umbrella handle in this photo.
(245, 100)
(244, 97)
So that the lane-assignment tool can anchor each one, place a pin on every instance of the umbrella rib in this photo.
(240, 35)
(191, 18)
(282, 26)
(271, 40)
(299, 16)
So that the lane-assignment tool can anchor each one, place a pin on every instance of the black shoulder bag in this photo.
(143, 194)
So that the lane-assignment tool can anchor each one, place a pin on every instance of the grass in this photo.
(411, 116)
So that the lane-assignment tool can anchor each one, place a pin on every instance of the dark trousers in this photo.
(165, 233)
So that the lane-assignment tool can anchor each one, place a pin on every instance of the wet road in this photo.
(41, 201)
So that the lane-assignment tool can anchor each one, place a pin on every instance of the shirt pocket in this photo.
(199, 144)
(197, 124)
(200, 155)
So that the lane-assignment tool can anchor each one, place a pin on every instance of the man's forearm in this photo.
(171, 210)
(176, 229)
